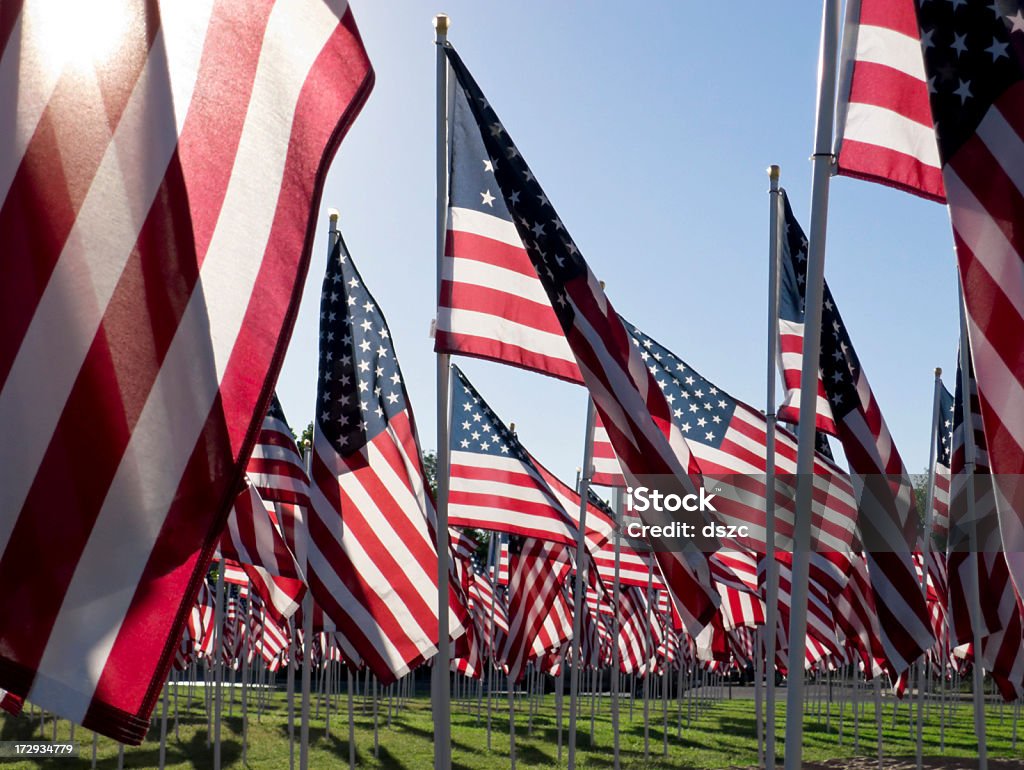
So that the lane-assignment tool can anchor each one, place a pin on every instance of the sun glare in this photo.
(78, 35)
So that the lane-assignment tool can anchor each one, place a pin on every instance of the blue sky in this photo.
(650, 127)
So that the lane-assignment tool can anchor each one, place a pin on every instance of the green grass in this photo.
(721, 736)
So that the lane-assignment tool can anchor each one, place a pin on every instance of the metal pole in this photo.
(349, 686)
(306, 679)
(970, 460)
(617, 504)
(925, 546)
(776, 234)
(822, 168)
(218, 662)
(581, 580)
(440, 684)
(648, 662)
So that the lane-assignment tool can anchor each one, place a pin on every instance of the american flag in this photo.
(494, 482)
(156, 186)
(372, 564)
(884, 122)
(791, 331)
(489, 612)
(943, 449)
(635, 561)
(886, 515)
(973, 63)
(999, 622)
(607, 472)
(632, 408)
(491, 304)
(537, 573)
(729, 440)
(252, 539)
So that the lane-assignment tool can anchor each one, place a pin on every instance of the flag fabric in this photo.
(494, 483)
(155, 201)
(537, 573)
(372, 564)
(886, 514)
(252, 539)
(275, 467)
(975, 64)
(943, 449)
(998, 622)
(635, 563)
(791, 333)
(632, 408)
(884, 129)
(491, 304)
(278, 472)
(728, 438)
(607, 472)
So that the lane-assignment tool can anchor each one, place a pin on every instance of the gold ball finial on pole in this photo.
(441, 22)
(773, 172)
(332, 214)
(938, 371)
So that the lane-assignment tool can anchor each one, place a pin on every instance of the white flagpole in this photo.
(648, 663)
(776, 233)
(440, 683)
(925, 546)
(492, 561)
(970, 460)
(218, 662)
(616, 590)
(581, 580)
(815, 288)
(163, 726)
(290, 674)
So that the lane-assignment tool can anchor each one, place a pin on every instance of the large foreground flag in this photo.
(976, 65)
(157, 174)
(884, 122)
(372, 564)
(632, 408)
(886, 514)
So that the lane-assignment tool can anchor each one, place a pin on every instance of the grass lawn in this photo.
(721, 736)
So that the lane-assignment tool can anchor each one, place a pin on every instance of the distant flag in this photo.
(278, 471)
(728, 438)
(155, 204)
(999, 623)
(943, 448)
(494, 483)
(885, 131)
(791, 333)
(252, 539)
(887, 517)
(632, 409)
(537, 572)
(974, 61)
(607, 472)
(372, 562)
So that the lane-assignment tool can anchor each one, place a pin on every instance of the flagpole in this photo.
(815, 289)
(616, 589)
(218, 662)
(925, 547)
(441, 684)
(970, 461)
(775, 236)
(581, 579)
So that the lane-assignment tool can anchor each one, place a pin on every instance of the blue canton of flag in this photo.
(360, 387)
(476, 428)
